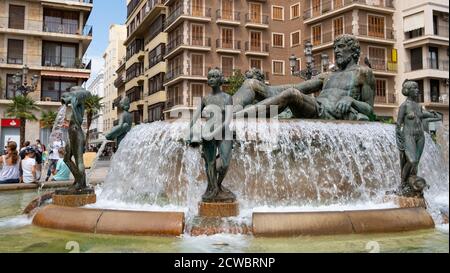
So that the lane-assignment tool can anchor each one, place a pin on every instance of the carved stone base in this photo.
(406, 202)
(218, 209)
(215, 225)
(77, 200)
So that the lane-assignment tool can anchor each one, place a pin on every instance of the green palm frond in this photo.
(93, 105)
(22, 108)
(48, 118)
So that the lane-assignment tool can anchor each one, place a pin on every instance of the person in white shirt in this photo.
(54, 156)
(29, 170)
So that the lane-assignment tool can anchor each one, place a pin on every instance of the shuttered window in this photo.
(376, 26)
(278, 40)
(227, 66)
(197, 64)
(16, 17)
(15, 51)
(317, 35)
(278, 67)
(277, 13)
(338, 26)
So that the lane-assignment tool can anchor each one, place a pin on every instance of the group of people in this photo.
(25, 165)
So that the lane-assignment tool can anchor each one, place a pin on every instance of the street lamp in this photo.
(20, 81)
(310, 71)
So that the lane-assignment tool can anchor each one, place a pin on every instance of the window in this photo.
(338, 4)
(175, 96)
(278, 13)
(15, 51)
(197, 65)
(197, 7)
(295, 11)
(295, 38)
(375, 26)
(197, 35)
(338, 26)
(59, 54)
(316, 35)
(255, 13)
(380, 90)
(277, 39)
(315, 6)
(278, 67)
(416, 59)
(156, 55)
(255, 41)
(155, 84)
(196, 92)
(61, 21)
(377, 57)
(227, 66)
(16, 17)
(434, 91)
(227, 9)
(155, 112)
(433, 57)
(227, 38)
(11, 90)
(421, 97)
(54, 88)
(256, 63)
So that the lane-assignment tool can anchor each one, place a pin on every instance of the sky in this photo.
(104, 14)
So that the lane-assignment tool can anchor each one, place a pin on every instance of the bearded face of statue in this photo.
(343, 54)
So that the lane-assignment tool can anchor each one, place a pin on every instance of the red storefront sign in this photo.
(11, 123)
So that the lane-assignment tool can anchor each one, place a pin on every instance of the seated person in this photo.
(10, 163)
(61, 172)
(28, 165)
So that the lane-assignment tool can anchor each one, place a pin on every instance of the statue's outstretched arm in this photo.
(431, 116)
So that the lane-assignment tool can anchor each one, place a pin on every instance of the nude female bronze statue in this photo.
(346, 94)
(411, 140)
(125, 121)
(216, 148)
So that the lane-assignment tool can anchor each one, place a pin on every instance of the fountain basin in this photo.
(114, 222)
(340, 222)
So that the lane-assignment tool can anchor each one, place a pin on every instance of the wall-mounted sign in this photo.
(10, 123)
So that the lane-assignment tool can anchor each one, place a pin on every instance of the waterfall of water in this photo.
(59, 132)
(302, 163)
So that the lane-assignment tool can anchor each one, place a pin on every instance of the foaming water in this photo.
(15, 222)
(302, 164)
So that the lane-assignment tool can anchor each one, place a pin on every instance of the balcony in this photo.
(383, 66)
(328, 8)
(193, 72)
(137, 46)
(257, 49)
(135, 94)
(155, 60)
(228, 46)
(226, 17)
(386, 100)
(431, 64)
(139, 25)
(370, 33)
(179, 43)
(66, 62)
(120, 81)
(199, 14)
(256, 21)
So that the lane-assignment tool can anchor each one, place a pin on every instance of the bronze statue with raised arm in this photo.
(345, 94)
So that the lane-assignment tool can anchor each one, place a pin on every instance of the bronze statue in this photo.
(125, 121)
(346, 94)
(74, 100)
(216, 147)
(411, 140)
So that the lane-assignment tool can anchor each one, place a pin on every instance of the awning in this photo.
(77, 75)
(413, 22)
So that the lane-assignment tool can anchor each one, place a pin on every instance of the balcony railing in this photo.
(387, 99)
(135, 94)
(442, 31)
(329, 6)
(372, 31)
(257, 47)
(429, 64)
(50, 27)
(120, 81)
(228, 15)
(66, 62)
(194, 12)
(256, 19)
(135, 47)
(194, 70)
(228, 44)
(382, 65)
(191, 41)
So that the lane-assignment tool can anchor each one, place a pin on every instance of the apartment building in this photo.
(145, 66)
(423, 45)
(49, 37)
(230, 35)
(112, 58)
(96, 87)
(372, 22)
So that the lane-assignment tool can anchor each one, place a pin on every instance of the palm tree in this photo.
(48, 119)
(22, 108)
(92, 106)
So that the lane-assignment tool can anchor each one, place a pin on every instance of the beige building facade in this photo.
(112, 58)
(50, 37)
